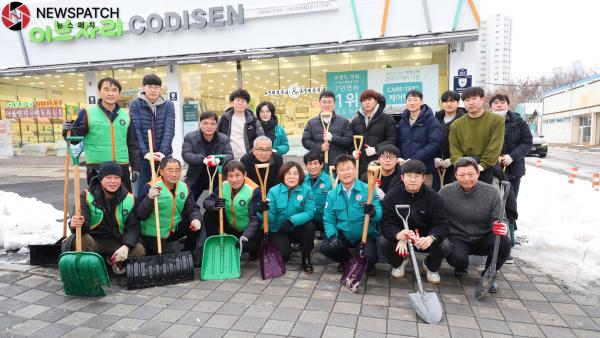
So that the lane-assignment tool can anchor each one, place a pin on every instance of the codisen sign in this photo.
(110, 24)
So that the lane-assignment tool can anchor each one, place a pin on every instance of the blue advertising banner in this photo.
(347, 86)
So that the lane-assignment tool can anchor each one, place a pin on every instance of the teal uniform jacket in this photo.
(319, 188)
(299, 207)
(346, 215)
(281, 141)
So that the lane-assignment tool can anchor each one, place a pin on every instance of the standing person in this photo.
(178, 214)
(265, 111)
(377, 127)
(337, 140)
(108, 133)
(198, 146)
(419, 133)
(239, 123)
(345, 212)
(320, 184)
(241, 202)
(478, 134)
(390, 170)
(109, 225)
(450, 113)
(291, 210)
(473, 209)
(150, 110)
(262, 152)
(427, 217)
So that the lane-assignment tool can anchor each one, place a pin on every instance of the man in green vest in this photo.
(241, 202)
(178, 214)
(320, 184)
(108, 222)
(108, 133)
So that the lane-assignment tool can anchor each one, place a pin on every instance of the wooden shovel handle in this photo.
(66, 187)
(371, 174)
(358, 143)
(156, 211)
(263, 192)
(78, 246)
(325, 130)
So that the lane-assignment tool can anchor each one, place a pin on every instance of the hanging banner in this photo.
(190, 118)
(347, 87)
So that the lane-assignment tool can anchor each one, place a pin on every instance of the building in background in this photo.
(572, 113)
(495, 49)
(281, 51)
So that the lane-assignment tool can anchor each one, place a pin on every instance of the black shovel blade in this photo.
(44, 254)
(485, 282)
(270, 260)
(427, 306)
(164, 269)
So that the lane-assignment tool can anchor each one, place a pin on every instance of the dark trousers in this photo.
(126, 180)
(211, 226)
(459, 256)
(487, 176)
(515, 182)
(168, 245)
(437, 252)
(342, 255)
(303, 234)
(448, 178)
(319, 226)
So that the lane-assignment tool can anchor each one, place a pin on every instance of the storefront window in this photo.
(131, 81)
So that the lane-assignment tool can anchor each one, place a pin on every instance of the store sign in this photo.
(39, 108)
(67, 31)
(294, 91)
(190, 118)
(308, 7)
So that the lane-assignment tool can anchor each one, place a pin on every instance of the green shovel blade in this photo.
(83, 273)
(221, 259)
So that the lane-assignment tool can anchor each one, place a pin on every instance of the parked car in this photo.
(539, 146)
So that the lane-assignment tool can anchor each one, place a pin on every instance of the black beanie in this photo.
(109, 168)
(414, 167)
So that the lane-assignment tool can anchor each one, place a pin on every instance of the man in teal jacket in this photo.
(320, 184)
(345, 211)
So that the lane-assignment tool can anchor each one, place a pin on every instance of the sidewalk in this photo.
(528, 303)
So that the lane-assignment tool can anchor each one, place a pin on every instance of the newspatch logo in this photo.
(15, 16)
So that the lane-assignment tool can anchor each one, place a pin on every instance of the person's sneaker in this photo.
(460, 273)
(432, 277)
(399, 271)
(510, 260)
(371, 270)
(494, 287)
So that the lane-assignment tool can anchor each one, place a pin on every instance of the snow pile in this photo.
(560, 222)
(25, 221)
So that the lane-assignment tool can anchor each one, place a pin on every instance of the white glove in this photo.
(195, 225)
(160, 155)
(380, 194)
(506, 160)
(121, 254)
(149, 157)
(370, 151)
(401, 161)
(356, 154)
(328, 137)
(480, 167)
(154, 191)
(447, 163)
(438, 163)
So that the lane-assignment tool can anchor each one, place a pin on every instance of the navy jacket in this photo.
(517, 143)
(421, 141)
(162, 125)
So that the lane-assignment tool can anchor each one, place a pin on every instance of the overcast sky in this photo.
(550, 33)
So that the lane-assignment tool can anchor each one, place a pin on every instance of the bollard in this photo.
(596, 181)
(538, 164)
(572, 175)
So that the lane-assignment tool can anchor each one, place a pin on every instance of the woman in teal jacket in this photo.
(265, 111)
(291, 210)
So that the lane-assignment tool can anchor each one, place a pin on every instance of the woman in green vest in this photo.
(241, 201)
(291, 211)
(178, 213)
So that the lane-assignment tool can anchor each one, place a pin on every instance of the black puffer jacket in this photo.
(194, 153)
(517, 143)
(341, 141)
(252, 127)
(444, 151)
(380, 131)
(108, 227)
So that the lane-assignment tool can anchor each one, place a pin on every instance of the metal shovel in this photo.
(425, 303)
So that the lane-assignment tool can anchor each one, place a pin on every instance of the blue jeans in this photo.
(145, 176)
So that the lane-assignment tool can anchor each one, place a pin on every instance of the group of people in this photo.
(443, 165)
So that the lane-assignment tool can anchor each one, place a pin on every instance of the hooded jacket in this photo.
(252, 127)
(380, 130)
(421, 140)
(159, 117)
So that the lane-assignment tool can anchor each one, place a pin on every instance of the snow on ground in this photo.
(25, 221)
(561, 224)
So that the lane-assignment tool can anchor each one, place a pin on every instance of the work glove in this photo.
(402, 248)
(380, 193)
(369, 209)
(159, 156)
(335, 243)
(356, 154)
(401, 161)
(195, 225)
(480, 167)
(211, 161)
(120, 255)
(262, 206)
(154, 191)
(499, 228)
(505, 160)
(438, 163)
(447, 163)
(149, 157)
(240, 243)
(134, 176)
(327, 136)
(219, 203)
(370, 151)
(67, 125)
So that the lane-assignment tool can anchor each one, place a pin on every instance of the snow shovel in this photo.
(489, 276)
(45, 254)
(425, 303)
(161, 269)
(358, 143)
(221, 257)
(442, 175)
(355, 269)
(269, 256)
(82, 273)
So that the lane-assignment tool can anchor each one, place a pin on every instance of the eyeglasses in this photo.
(264, 150)
(388, 157)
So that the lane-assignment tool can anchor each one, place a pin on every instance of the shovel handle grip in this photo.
(156, 211)
(78, 246)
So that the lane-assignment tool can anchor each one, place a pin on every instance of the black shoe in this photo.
(319, 235)
(341, 267)
(295, 246)
(371, 270)
(460, 273)
(306, 265)
(494, 287)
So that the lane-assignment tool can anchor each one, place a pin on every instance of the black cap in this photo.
(109, 168)
(414, 167)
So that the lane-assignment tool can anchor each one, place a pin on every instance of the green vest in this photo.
(236, 210)
(170, 207)
(121, 211)
(106, 140)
